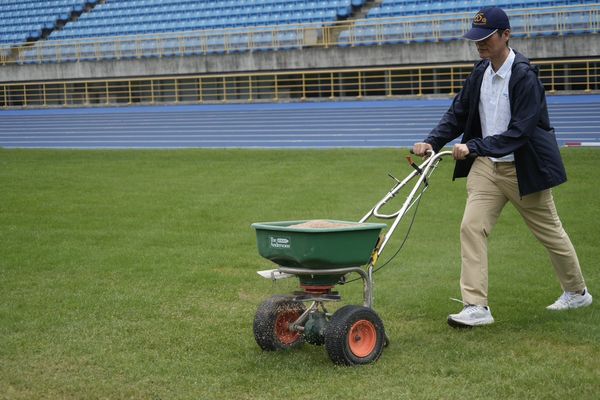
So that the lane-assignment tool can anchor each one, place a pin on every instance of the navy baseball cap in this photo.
(487, 21)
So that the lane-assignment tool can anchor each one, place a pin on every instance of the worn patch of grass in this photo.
(131, 274)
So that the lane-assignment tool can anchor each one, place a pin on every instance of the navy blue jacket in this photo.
(529, 135)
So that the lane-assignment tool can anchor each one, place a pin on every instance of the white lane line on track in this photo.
(200, 113)
(314, 146)
(105, 123)
(391, 135)
(318, 108)
(231, 109)
(240, 135)
(195, 122)
(252, 117)
(339, 131)
(296, 140)
(212, 141)
(590, 108)
(215, 125)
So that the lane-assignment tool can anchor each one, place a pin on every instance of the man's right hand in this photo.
(421, 149)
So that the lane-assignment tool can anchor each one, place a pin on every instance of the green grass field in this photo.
(131, 275)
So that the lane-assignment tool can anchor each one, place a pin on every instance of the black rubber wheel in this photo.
(354, 336)
(271, 323)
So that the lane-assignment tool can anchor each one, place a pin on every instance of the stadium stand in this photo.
(117, 29)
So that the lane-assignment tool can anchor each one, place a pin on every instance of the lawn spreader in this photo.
(322, 254)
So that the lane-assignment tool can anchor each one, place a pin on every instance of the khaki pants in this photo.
(490, 186)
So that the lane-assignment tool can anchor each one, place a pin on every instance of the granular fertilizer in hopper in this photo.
(323, 224)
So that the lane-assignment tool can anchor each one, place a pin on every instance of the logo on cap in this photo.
(479, 19)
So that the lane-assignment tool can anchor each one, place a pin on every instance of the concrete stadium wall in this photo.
(313, 58)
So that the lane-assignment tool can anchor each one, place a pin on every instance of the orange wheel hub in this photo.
(362, 338)
(282, 327)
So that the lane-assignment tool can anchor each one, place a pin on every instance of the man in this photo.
(508, 153)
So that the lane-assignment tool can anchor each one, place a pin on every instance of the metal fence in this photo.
(579, 75)
(531, 22)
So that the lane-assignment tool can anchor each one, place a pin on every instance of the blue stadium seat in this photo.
(518, 25)
(546, 24)
(579, 23)
(238, 41)
(450, 30)
(365, 35)
(289, 40)
(215, 44)
(344, 38)
(169, 47)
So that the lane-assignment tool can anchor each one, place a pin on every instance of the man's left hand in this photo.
(460, 151)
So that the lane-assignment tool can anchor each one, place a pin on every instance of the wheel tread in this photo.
(336, 335)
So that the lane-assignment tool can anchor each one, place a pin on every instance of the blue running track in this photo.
(363, 124)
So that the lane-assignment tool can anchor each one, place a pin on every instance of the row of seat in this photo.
(198, 18)
(27, 20)
(228, 4)
(14, 14)
(174, 46)
(498, 3)
(126, 21)
(394, 32)
(171, 26)
(28, 5)
(393, 8)
(216, 5)
(16, 25)
(208, 13)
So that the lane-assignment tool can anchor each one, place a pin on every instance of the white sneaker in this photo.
(471, 315)
(571, 300)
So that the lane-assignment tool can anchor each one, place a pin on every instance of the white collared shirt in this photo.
(494, 102)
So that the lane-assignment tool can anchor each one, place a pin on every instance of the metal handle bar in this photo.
(424, 170)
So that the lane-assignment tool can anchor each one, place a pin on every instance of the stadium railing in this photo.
(570, 75)
(559, 20)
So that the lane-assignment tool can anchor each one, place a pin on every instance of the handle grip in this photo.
(429, 152)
